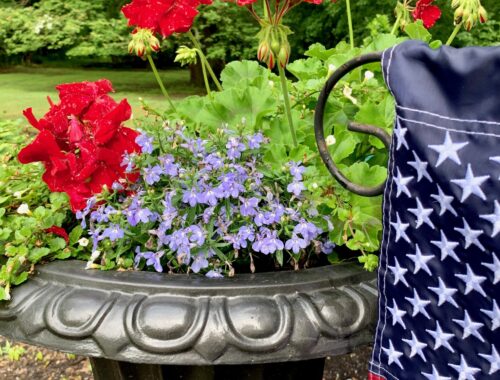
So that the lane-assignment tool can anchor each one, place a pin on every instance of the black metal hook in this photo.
(355, 127)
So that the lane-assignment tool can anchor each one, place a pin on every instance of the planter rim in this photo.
(155, 318)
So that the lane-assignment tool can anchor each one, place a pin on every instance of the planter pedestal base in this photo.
(266, 326)
(104, 369)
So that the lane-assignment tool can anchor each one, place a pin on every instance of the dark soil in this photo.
(41, 364)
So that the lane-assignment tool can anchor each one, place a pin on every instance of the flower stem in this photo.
(204, 59)
(158, 79)
(454, 34)
(349, 21)
(286, 96)
(205, 77)
(396, 25)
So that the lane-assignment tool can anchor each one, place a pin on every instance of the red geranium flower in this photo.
(163, 16)
(82, 140)
(428, 13)
(59, 231)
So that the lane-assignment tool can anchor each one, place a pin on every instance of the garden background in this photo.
(47, 42)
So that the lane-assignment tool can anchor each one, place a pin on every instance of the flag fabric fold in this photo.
(439, 273)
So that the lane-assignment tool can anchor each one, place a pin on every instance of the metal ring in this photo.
(368, 129)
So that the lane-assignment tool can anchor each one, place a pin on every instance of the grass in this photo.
(23, 87)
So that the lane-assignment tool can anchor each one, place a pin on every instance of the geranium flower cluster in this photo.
(81, 140)
(205, 205)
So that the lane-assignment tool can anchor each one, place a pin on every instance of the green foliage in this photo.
(14, 352)
(485, 35)
(27, 210)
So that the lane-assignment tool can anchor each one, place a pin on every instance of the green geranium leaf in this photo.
(417, 31)
(37, 254)
(245, 73)
(305, 69)
(75, 235)
(370, 261)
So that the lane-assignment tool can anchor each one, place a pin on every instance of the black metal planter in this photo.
(191, 327)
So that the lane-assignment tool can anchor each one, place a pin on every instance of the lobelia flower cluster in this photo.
(205, 205)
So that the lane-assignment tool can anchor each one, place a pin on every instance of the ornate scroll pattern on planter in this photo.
(150, 318)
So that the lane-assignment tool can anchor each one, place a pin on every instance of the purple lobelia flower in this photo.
(152, 174)
(254, 141)
(196, 235)
(207, 214)
(128, 162)
(82, 214)
(199, 262)
(260, 218)
(245, 234)
(168, 165)
(213, 161)
(209, 196)
(308, 230)
(113, 232)
(190, 197)
(234, 148)
(327, 247)
(295, 244)
(145, 142)
(275, 215)
(95, 237)
(152, 258)
(296, 188)
(216, 273)
(249, 206)
(296, 170)
(267, 242)
(117, 186)
(144, 215)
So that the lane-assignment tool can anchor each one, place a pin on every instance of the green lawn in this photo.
(22, 87)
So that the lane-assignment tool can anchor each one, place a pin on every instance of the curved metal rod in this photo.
(369, 129)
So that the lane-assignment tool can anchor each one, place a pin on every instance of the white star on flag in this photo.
(400, 229)
(397, 314)
(494, 219)
(447, 247)
(444, 202)
(400, 136)
(470, 235)
(421, 168)
(441, 338)
(494, 267)
(493, 359)
(420, 260)
(399, 273)
(434, 375)
(418, 304)
(494, 315)
(472, 282)
(470, 327)
(402, 184)
(393, 355)
(445, 294)
(422, 214)
(464, 371)
(471, 185)
(416, 346)
(448, 150)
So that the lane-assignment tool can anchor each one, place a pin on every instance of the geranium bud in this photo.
(483, 15)
(284, 54)
(186, 55)
(143, 43)
(469, 12)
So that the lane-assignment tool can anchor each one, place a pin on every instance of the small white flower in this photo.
(331, 69)
(348, 94)
(18, 194)
(314, 185)
(243, 120)
(369, 75)
(330, 140)
(271, 83)
(95, 255)
(23, 209)
(83, 242)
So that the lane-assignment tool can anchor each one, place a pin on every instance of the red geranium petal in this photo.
(426, 12)
(41, 149)
(107, 127)
(59, 231)
(178, 19)
(99, 108)
(124, 142)
(103, 176)
(146, 13)
(28, 114)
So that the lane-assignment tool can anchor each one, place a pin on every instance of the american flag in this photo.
(439, 274)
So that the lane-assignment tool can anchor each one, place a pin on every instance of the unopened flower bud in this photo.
(469, 12)
(143, 43)
(284, 54)
(186, 55)
(483, 15)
